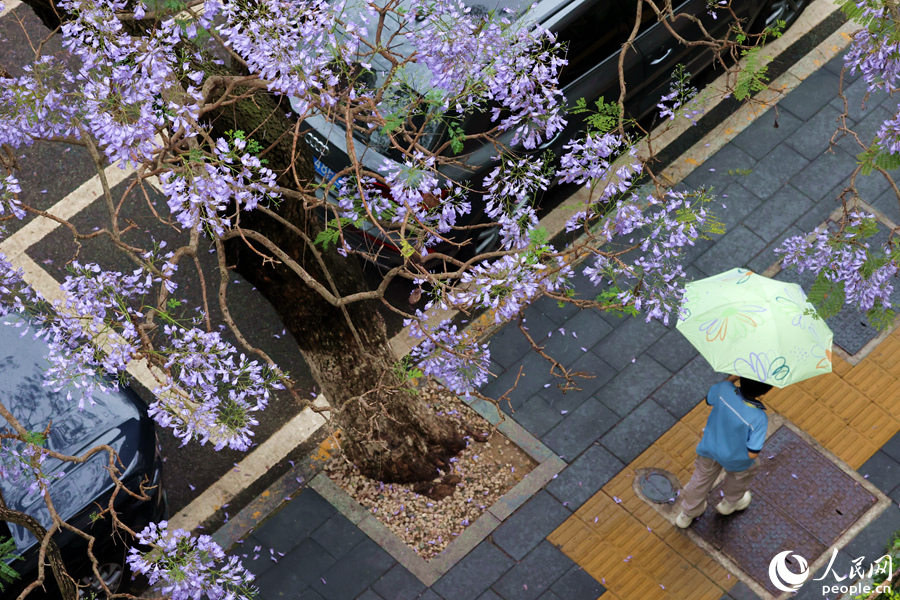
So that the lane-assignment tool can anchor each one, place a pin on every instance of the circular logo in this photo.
(316, 144)
(782, 577)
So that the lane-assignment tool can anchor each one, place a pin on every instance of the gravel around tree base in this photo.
(488, 470)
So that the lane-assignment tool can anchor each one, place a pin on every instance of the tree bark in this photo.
(390, 435)
(67, 587)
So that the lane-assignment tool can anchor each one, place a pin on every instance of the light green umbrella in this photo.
(749, 325)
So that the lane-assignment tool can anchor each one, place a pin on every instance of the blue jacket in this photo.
(735, 427)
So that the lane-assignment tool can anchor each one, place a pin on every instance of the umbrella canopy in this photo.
(749, 325)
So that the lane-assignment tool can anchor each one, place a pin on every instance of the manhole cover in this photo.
(657, 487)
(801, 502)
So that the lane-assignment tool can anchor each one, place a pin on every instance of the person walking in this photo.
(734, 435)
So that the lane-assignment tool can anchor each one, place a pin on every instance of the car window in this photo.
(592, 34)
(648, 17)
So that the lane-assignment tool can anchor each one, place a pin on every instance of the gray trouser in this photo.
(693, 496)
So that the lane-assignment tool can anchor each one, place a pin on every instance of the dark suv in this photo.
(594, 31)
(118, 419)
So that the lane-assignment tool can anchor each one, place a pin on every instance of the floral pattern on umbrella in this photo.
(756, 327)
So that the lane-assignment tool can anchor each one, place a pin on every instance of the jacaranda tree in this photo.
(205, 101)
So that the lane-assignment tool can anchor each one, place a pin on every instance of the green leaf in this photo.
(406, 250)
(752, 78)
(881, 317)
(828, 297)
(392, 122)
(7, 554)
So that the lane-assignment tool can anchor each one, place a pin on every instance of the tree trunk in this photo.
(389, 434)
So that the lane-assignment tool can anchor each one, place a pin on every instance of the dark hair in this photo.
(753, 389)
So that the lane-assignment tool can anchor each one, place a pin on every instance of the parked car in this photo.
(594, 31)
(118, 419)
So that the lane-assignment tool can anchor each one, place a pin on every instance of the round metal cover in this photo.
(657, 487)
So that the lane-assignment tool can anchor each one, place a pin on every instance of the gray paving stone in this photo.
(550, 308)
(302, 515)
(637, 431)
(589, 364)
(810, 96)
(475, 573)
(892, 447)
(359, 569)
(580, 429)
(719, 170)
(338, 535)
(309, 594)
(430, 595)
(836, 65)
(888, 204)
(537, 416)
(369, 595)
(814, 136)
(779, 166)
(738, 201)
(588, 328)
(767, 257)
(535, 373)
(741, 591)
(549, 595)
(761, 136)
(489, 595)
(508, 345)
(873, 540)
(577, 584)
(256, 562)
(882, 470)
(399, 584)
(732, 250)
(687, 387)
(692, 253)
(631, 338)
(865, 129)
(295, 571)
(535, 574)
(672, 350)
(777, 213)
(824, 173)
(528, 526)
(633, 384)
(584, 477)
(818, 213)
(537, 324)
(857, 104)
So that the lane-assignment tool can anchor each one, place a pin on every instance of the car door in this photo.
(594, 31)
(662, 51)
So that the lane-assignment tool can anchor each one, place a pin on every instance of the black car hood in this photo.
(114, 420)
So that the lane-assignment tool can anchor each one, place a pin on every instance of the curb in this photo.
(428, 572)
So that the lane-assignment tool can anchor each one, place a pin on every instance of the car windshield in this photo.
(22, 365)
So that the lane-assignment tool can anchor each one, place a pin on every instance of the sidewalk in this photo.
(586, 535)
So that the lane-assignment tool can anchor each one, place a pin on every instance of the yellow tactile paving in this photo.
(638, 555)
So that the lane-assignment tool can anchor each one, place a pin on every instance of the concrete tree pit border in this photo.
(428, 572)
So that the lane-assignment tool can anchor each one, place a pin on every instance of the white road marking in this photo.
(258, 461)
(11, 5)
(66, 208)
(256, 464)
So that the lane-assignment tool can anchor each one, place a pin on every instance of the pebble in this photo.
(399, 508)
